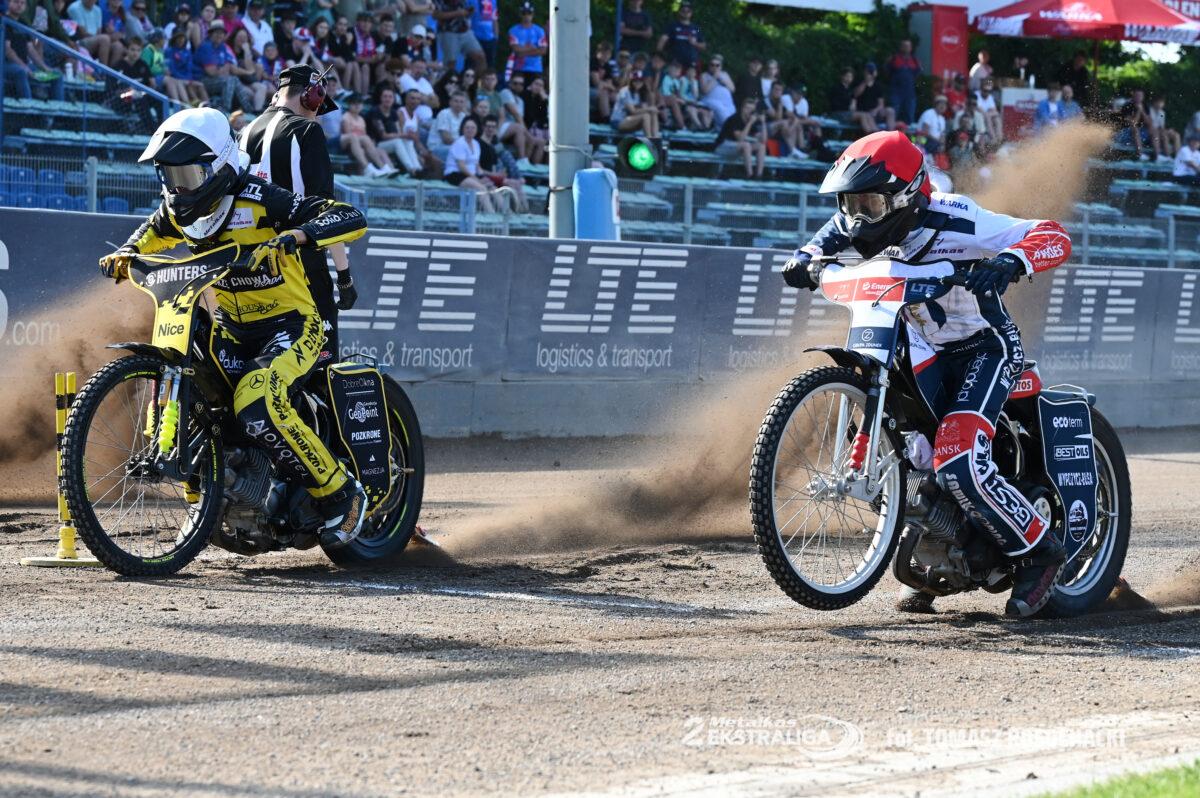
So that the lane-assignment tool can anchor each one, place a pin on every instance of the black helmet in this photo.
(199, 165)
(882, 186)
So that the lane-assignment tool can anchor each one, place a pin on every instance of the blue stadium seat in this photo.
(59, 202)
(6, 200)
(21, 179)
(28, 199)
(51, 181)
(79, 203)
(4, 170)
(114, 205)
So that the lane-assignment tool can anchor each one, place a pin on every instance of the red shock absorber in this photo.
(858, 450)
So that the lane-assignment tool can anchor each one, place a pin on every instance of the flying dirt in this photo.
(692, 484)
(87, 321)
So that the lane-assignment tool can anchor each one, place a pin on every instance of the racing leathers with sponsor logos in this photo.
(966, 351)
(268, 334)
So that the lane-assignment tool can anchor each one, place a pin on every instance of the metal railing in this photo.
(108, 110)
(730, 213)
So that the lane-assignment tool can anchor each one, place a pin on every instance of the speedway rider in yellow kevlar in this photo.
(268, 334)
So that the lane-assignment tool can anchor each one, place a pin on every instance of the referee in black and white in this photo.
(287, 147)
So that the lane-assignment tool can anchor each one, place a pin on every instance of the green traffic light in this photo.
(641, 157)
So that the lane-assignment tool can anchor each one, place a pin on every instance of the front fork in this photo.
(865, 470)
(167, 422)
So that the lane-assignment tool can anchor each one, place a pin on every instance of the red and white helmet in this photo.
(881, 184)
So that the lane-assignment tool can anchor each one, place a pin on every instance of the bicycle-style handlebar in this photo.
(959, 278)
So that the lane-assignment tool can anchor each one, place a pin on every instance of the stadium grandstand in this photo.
(736, 150)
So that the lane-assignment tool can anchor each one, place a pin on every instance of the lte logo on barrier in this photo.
(653, 292)
(778, 320)
(446, 295)
(1185, 331)
(1085, 298)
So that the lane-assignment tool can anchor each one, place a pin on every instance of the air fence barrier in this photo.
(525, 337)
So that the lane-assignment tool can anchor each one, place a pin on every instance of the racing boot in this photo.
(915, 601)
(1034, 577)
(344, 513)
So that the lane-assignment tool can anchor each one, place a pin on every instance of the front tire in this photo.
(841, 553)
(1088, 579)
(135, 523)
(387, 531)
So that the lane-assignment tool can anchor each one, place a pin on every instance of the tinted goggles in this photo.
(184, 179)
(865, 207)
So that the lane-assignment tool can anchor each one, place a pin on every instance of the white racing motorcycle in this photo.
(840, 482)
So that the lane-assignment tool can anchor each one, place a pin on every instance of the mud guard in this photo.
(169, 355)
(847, 358)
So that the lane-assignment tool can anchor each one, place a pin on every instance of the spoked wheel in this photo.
(389, 528)
(824, 546)
(1091, 574)
(136, 522)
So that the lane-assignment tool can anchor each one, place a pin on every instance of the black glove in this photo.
(115, 266)
(993, 274)
(347, 293)
(798, 271)
(269, 253)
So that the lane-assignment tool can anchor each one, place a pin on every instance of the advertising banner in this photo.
(479, 309)
(1100, 325)
(752, 320)
(430, 307)
(604, 310)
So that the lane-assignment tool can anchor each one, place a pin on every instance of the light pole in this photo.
(569, 150)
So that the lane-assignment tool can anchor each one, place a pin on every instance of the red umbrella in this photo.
(1111, 20)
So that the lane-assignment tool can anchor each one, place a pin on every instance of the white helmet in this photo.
(200, 167)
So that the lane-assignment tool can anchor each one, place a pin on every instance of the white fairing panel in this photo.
(876, 291)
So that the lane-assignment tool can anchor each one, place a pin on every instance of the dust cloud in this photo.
(85, 323)
(691, 485)
(695, 486)
(1040, 178)
(1179, 590)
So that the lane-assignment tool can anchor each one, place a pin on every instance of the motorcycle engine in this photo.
(247, 476)
(932, 509)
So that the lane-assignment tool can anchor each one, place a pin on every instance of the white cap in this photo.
(418, 30)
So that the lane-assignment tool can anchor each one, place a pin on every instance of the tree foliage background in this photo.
(813, 46)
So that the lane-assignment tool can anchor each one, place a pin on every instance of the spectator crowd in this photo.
(423, 91)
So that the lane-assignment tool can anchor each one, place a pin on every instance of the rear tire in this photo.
(390, 527)
(147, 507)
(1088, 588)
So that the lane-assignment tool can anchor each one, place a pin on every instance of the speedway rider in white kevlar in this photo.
(966, 351)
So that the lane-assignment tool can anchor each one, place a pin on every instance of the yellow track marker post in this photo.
(66, 557)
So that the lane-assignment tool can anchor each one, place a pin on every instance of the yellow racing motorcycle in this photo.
(155, 465)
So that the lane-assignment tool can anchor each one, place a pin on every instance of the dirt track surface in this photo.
(614, 671)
